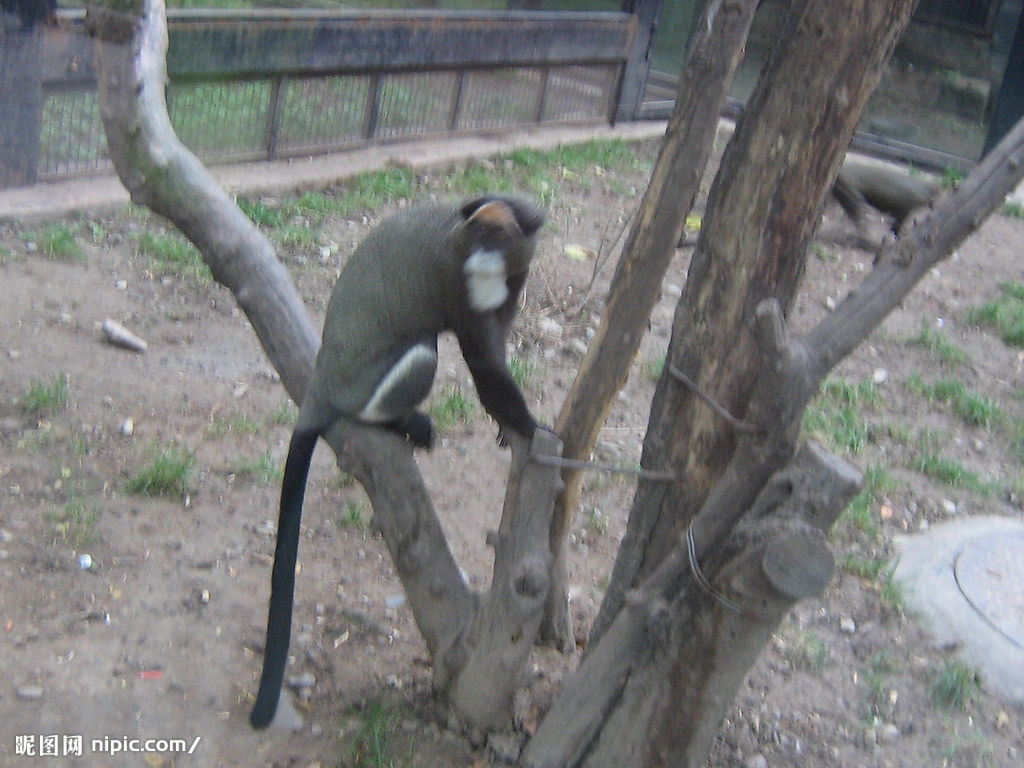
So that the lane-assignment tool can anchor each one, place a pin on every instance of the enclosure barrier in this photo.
(249, 85)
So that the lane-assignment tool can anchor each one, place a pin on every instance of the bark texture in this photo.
(716, 52)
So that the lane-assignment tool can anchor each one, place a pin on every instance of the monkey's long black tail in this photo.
(282, 580)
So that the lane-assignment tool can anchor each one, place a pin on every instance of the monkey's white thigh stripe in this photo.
(485, 278)
(403, 387)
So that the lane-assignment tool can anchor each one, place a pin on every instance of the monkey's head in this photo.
(507, 225)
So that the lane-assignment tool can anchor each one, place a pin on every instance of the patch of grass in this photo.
(168, 474)
(596, 521)
(823, 254)
(58, 241)
(350, 515)
(836, 414)
(655, 367)
(971, 751)
(808, 651)
(867, 568)
(284, 415)
(880, 698)
(1005, 315)
(263, 469)
(75, 522)
(369, 191)
(938, 345)
(949, 472)
(972, 407)
(296, 236)
(1012, 209)
(46, 398)
(238, 424)
(373, 746)
(522, 369)
(262, 214)
(451, 407)
(172, 255)
(859, 519)
(956, 685)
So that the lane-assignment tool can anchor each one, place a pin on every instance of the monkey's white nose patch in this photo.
(485, 278)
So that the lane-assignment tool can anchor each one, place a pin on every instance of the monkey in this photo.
(428, 269)
(892, 193)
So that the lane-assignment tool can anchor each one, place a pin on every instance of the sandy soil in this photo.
(160, 638)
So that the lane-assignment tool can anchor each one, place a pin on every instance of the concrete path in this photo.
(965, 578)
(95, 194)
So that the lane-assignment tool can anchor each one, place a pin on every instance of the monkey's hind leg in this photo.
(404, 386)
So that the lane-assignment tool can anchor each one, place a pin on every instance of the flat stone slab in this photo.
(965, 578)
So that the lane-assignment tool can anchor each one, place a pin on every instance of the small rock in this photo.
(204, 596)
(879, 375)
(756, 760)
(394, 601)
(31, 246)
(578, 346)
(29, 692)
(302, 680)
(847, 625)
(888, 733)
(550, 328)
(85, 561)
(14, 354)
(5, 536)
(316, 730)
(948, 506)
(119, 336)
(830, 303)
(121, 285)
(127, 427)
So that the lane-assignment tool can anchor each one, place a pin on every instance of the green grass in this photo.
(75, 522)
(1005, 315)
(284, 415)
(880, 702)
(238, 424)
(46, 398)
(263, 469)
(949, 472)
(168, 474)
(373, 746)
(808, 651)
(262, 214)
(938, 345)
(350, 515)
(1013, 210)
(971, 407)
(522, 370)
(956, 685)
(654, 367)
(58, 241)
(451, 407)
(859, 520)
(170, 254)
(836, 414)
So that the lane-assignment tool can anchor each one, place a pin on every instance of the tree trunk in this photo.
(635, 287)
(761, 212)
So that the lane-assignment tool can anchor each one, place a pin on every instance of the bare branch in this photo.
(905, 260)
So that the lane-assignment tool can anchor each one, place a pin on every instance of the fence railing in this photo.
(268, 84)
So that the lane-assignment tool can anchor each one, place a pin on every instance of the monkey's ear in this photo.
(504, 213)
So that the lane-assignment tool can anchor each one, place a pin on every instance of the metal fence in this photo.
(248, 85)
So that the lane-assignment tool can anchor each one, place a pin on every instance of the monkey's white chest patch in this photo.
(485, 279)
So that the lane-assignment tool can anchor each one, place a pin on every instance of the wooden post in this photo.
(634, 74)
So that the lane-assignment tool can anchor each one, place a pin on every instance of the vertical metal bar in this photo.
(542, 97)
(456, 113)
(372, 107)
(274, 116)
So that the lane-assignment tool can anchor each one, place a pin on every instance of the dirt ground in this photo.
(161, 637)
